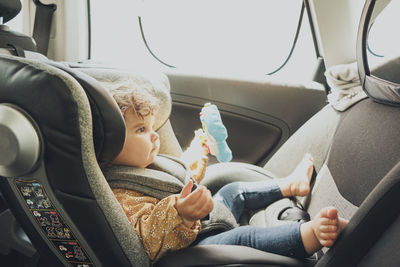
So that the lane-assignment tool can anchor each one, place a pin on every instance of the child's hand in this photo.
(193, 206)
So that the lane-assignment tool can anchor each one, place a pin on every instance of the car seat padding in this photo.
(364, 148)
(61, 110)
(108, 123)
(373, 218)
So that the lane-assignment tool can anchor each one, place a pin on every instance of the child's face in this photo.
(141, 142)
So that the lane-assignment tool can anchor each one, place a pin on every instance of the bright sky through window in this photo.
(209, 36)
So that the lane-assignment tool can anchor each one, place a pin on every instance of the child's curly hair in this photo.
(142, 102)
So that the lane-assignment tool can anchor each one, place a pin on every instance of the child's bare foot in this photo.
(323, 230)
(298, 182)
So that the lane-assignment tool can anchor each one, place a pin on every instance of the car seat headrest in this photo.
(381, 90)
(10, 39)
(9, 9)
(107, 119)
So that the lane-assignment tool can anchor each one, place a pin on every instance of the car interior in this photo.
(59, 124)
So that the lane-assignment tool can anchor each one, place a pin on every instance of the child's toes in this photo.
(327, 243)
(328, 236)
(332, 213)
(326, 221)
(328, 228)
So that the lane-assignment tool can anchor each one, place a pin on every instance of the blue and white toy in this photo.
(215, 132)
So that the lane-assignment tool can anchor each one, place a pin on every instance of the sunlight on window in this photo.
(382, 38)
(16, 23)
(208, 36)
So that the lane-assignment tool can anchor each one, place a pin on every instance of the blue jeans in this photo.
(240, 196)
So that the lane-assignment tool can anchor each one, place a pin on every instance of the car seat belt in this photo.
(42, 25)
(296, 213)
(19, 51)
(306, 200)
(299, 211)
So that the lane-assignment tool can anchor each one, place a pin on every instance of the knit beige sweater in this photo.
(157, 222)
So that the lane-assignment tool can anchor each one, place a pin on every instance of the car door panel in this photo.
(249, 139)
(259, 115)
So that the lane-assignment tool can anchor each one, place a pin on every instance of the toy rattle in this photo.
(215, 133)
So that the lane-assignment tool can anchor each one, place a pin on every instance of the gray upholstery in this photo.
(314, 137)
(224, 255)
(153, 181)
(217, 175)
(364, 148)
(388, 69)
(385, 248)
(357, 158)
(325, 193)
(368, 229)
(169, 144)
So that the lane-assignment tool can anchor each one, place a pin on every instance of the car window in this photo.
(16, 23)
(208, 36)
(382, 43)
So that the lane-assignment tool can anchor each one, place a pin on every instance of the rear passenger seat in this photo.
(357, 156)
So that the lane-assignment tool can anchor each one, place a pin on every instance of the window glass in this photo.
(16, 23)
(210, 36)
(382, 42)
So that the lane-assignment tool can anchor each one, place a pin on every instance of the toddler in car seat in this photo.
(173, 223)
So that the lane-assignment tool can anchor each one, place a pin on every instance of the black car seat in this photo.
(13, 238)
(51, 186)
(11, 39)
